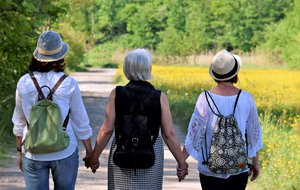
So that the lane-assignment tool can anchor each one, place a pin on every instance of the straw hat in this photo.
(224, 66)
(50, 47)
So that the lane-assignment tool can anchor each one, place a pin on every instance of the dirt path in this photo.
(95, 87)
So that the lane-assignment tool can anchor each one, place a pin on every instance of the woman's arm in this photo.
(19, 121)
(185, 154)
(256, 168)
(105, 132)
(19, 148)
(88, 146)
(170, 137)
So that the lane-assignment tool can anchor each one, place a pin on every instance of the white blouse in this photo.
(67, 96)
(203, 120)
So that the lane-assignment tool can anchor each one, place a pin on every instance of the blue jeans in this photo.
(64, 173)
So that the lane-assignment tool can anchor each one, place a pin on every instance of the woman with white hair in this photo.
(216, 145)
(149, 105)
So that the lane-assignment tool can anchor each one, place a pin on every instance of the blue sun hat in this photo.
(50, 47)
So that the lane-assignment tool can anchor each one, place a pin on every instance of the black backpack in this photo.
(135, 132)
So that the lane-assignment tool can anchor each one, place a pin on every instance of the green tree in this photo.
(199, 33)
(146, 23)
(77, 27)
(110, 20)
(173, 36)
(241, 23)
(283, 38)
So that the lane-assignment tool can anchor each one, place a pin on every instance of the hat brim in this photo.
(54, 57)
(227, 78)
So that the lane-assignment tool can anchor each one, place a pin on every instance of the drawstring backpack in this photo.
(228, 152)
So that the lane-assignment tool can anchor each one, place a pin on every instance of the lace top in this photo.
(203, 120)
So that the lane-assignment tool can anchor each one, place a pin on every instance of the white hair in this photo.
(137, 65)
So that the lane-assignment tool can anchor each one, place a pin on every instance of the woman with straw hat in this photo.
(47, 67)
(222, 101)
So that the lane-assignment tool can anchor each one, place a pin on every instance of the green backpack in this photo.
(46, 129)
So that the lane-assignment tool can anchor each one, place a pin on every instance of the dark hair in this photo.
(232, 80)
(40, 66)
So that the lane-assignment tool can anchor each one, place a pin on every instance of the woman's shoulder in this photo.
(23, 80)
(247, 94)
(70, 78)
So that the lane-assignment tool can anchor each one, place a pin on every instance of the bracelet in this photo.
(19, 149)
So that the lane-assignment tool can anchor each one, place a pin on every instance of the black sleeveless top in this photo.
(138, 91)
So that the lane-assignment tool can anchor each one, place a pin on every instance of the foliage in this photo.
(76, 41)
(280, 157)
(101, 56)
(146, 24)
(283, 38)
(183, 28)
(160, 24)
(174, 32)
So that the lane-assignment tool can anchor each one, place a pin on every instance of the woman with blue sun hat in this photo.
(47, 67)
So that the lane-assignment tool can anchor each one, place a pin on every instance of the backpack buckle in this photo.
(135, 141)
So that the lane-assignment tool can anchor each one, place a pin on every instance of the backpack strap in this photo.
(146, 102)
(217, 114)
(66, 121)
(36, 84)
(204, 161)
(62, 78)
(250, 166)
(236, 100)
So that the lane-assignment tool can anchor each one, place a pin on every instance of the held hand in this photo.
(95, 166)
(90, 163)
(87, 160)
(254, 172)
(182, 171)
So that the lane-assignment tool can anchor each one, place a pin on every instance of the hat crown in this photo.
(49, 41)
(223, 62)
(224, 66)
(50, 47)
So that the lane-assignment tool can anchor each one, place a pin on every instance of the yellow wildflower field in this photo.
(269, 87)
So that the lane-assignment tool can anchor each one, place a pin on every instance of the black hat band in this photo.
(229, 74)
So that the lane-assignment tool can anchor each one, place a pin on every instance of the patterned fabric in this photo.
(195, 136)
(146, 179)
(228, 153)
